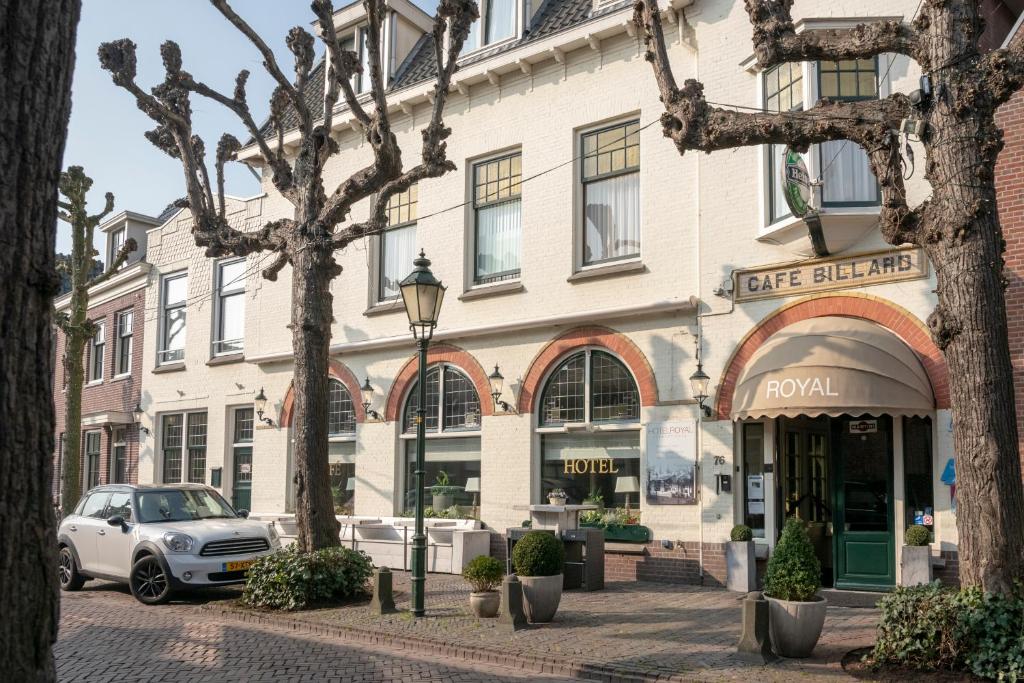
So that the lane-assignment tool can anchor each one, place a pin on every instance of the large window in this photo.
(92, 459)
(118, 456)
(753, 471)
(846, 174)
(172, 318)
(116, 241)
(96, 352)
(453, 408)
(917, 472)
(398, 243)
(497, 192)
(341, 414)
(230, 328)
(783, 92)
(342, 458)
(611, 193)
(592, 388)
(184, 447)
(123, 353)
(498, 19)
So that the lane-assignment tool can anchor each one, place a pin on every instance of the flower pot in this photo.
(795, 627)
(556, 501)
(485, 604)
(915, 565)
(741, 567)
(541, 595)
(442, 501)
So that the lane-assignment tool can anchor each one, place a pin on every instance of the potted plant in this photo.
(557, 497)
(741, 566)
(443, 492)
(538, 558)
(484, 574)
(796, 613)
(595, 498)
(916, 557)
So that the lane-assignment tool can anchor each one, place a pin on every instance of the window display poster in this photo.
(672, 462)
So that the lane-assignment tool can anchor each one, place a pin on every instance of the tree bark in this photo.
(37, 39)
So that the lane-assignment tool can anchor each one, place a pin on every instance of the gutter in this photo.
(688, 305)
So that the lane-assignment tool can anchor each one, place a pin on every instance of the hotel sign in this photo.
(822, 275)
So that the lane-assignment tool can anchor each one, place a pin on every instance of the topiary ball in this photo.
(538, 553)
(741, 533)
(917, 535)
(794, 572)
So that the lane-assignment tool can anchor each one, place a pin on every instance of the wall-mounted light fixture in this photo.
(699, 383)
(496, 381)
(367, 393)
(137, 415)
(261, 403)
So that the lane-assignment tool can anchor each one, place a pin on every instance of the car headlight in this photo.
(178, 543)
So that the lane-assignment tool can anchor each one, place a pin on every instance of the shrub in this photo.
(443, 487)
(741, 533)
(794, 572)
(290, 580)
(538, 553)
(591, 517)
(933, 627)
(483, 573)
(917, 535)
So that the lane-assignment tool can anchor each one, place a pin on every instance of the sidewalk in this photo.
(629, 632)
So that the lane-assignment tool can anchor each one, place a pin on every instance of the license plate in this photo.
(237, 566)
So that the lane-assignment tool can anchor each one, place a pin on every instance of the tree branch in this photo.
(341, 65)
(128, 247)
(1001, 73)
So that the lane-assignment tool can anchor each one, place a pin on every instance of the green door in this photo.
(863, 494)
(241, 493)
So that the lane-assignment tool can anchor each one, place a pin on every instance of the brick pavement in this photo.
(633, 631)
(105, 635)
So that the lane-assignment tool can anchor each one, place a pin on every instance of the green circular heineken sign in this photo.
(796, 183)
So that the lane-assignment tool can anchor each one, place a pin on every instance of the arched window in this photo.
(341, 414)
(341, 428)
(453, 408)
(591, 388)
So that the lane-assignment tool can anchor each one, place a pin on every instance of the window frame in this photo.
(96, 353)
(162, 350)
(118, 442)
(241, 444)
(377, 298)
(341, 435)
(89, 472)
(475, 207)
(481, 32)
(123, 341)
(769, 171)
(441, 431)
(184, 449)
(114, 245)
(588, 422)
(217, 345)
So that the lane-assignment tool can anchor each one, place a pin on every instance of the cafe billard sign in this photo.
(826, 274)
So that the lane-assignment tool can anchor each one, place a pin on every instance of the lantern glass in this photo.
(422, 295)
(496, 381)
(699, 382)
(367, 392)
(260, 401)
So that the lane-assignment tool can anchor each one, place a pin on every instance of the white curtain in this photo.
(398, 250)
(849, 178)
(501, 19)
(498, 236)
(612, 216)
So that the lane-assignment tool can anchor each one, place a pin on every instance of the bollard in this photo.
(383, 598)
(512, 616)
(755, 645)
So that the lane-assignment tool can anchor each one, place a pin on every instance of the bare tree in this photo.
(74, 323)
(957, 227)
(308, 240)
(37, 54)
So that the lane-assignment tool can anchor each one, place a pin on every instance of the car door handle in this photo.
(102, 532)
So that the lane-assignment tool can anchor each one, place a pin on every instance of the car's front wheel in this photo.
(149, 581)
(67, 571)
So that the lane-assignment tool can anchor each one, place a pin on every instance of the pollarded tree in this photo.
(957, 227)
(78, 329)
(307, 241)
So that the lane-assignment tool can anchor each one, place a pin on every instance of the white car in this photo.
(159, 539)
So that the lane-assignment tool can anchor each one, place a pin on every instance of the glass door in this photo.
(805, 482)
(241, 480)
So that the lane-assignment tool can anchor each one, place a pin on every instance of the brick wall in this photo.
(119, 394)
(1010, 197)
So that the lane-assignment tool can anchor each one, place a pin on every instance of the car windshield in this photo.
(182, 505)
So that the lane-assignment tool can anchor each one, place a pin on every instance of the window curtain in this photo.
(399, 251)
(613, 218)
(498, 230)
(501, 19)
(849, 178)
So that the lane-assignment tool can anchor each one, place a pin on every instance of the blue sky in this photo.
(106, 131)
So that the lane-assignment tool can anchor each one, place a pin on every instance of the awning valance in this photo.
(830, 366)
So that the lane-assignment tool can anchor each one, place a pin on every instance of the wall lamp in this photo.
(699, 385)
(496, 381)
(367, 392)
(261, 403)
(137, 414)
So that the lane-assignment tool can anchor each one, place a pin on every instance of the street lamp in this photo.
(367, 393)
(422, 294)
(496, 381)
(699, 385)
(261, 403)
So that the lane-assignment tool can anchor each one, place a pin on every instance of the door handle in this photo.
(73, 528)
(102, 532)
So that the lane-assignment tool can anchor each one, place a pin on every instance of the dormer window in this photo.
(498, 19)
(116, 240)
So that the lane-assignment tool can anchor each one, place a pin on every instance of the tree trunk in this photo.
(74, 347)
(966, 246)
(37, 39)
(312, 314)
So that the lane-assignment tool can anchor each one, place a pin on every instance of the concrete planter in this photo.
(915, 565)
(442, 501)
(741, 566)
(795, 627)
(541, 595)
(485, 605)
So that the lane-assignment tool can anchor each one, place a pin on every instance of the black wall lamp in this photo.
(699, 383)
(261, 403)
(496, 380)
(137, 415)
(367, 393)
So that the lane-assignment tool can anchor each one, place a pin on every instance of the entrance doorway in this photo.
(836, 474)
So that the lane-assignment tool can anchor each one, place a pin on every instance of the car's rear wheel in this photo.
(67, 571)
(149, 581)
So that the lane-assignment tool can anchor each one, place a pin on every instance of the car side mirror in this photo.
(244, 514)
(116, 520)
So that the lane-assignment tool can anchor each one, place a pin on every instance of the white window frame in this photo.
(121, 339)
(116, 243)
(186, 459)
(484, 7)
(217, 347)
(94, 353)
(115, 443)
(377, 271)
(588, 424)
(162, 352)
(341, 436)
(88, 470)
(473, 233)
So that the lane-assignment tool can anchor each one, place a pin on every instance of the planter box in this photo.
(626, 533)
(795, 627)
(915, 565)
(741, 566)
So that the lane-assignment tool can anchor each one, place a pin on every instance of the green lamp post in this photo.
(422, 294)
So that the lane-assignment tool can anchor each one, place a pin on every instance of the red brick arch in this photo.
(439, 353)
(874, 309)
(581, 337)
(338, 371)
